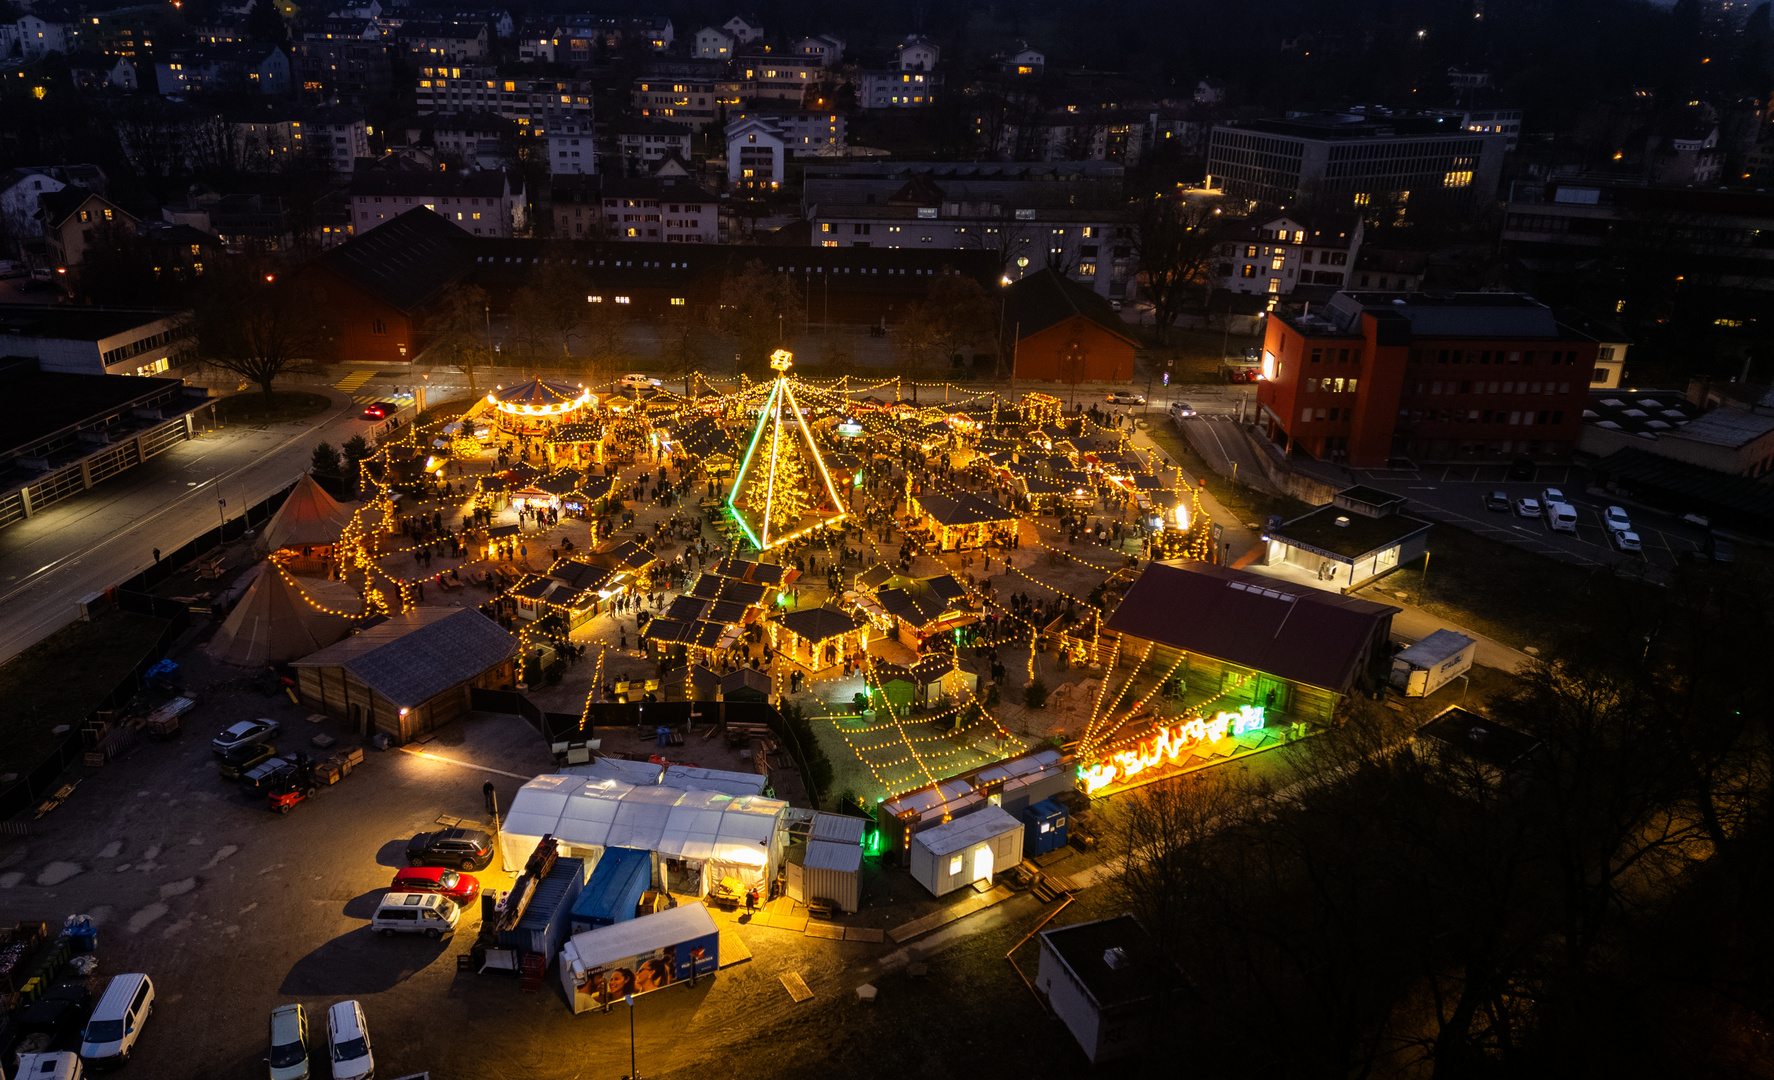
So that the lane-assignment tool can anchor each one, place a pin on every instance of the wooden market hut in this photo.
(924, 608)
(924, 683)
(819, 640)
(963, 520)
(410, 674)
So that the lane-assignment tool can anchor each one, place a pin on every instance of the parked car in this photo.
(348, 1042)
(245, 733)
(1550, 495)
(1522, 468)
(380, 410)
(289, 1043)
(55, 1019)
(240, 760)
(464, 849)
(1714, 548)
(1124, 397)
(1625, 539)
(634, 381)
(1498, 501)
(1180, 411)
(1698, 519)
(462, 889)
(1561, 517)
(117, 1020)
(415, 913)
(1616, 520)
(1528, 508)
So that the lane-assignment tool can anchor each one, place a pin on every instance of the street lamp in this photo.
(633, 1073)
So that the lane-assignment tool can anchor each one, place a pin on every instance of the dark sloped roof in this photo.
(820, 623)
(1291, 631)
(961, 508)
(1047, 299)
(413, 657)
(405, 262)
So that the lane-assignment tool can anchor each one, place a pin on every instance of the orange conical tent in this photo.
(309, 517)
(273, 622)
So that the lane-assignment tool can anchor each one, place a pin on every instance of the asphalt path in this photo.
(105, 536)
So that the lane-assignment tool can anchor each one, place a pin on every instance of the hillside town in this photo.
(557, 541)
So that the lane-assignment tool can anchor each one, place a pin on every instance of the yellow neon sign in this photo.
(1167, 744)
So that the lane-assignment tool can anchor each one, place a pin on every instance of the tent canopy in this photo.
(736, 835)
(273, 623)
(308, 517)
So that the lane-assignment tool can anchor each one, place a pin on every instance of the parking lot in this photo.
(1456, 494)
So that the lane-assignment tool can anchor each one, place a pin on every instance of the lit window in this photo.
(594, 299)
(955, 863)
(622, 299)
(677, 301)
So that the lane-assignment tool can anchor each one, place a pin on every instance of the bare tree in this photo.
(758, 307)
(457, 330)
(258, 324)
(1175, 240)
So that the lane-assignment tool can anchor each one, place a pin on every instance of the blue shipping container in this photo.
(615, 889)
(1045, 827)
(546, 922)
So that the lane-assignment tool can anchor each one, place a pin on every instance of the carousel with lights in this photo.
(533, 409)
(783, 489)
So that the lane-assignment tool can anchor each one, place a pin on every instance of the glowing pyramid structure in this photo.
(783, 488)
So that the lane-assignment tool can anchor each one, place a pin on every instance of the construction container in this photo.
(614, 892)
(826, 870)
(545, 924)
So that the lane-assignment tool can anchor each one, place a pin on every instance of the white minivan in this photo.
(1561, 517)
(117, 1020)
(348, 1042)
(415, 913)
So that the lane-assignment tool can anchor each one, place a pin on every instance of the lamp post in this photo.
(633, 1072)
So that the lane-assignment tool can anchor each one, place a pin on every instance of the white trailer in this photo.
(1432, 663)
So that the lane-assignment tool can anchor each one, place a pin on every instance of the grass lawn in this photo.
(252, 407)
(444, 411)
(1250, 505)
(64, 677)
(1195, 354)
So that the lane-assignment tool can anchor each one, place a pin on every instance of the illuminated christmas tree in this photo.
(783, 488)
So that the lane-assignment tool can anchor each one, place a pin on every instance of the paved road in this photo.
(105, 536)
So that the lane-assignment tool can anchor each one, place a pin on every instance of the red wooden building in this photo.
(1061, 331)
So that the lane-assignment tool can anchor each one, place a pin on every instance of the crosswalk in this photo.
(353, 382)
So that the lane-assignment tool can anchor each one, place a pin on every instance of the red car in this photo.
(379, 411)
(462, 888)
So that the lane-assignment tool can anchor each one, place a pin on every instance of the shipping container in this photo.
(547, 920)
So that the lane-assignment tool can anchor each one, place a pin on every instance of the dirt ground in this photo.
(234, 910)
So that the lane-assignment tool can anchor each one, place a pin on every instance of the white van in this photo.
(117, 1020)
(62, 1065)
(348, 1042)
(415, 913)
(1561, 517)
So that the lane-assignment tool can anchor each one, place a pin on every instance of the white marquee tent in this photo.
(740, 837)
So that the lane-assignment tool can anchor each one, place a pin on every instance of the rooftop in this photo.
(1085, 948)
(66, 323)
(1649, 413)
(1357, 537)
(1306, 635)
(1479, 738)
(413, 657)
(1340, 126)
(1045, 299)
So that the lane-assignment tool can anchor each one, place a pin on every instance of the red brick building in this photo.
(1065, 332)
(1468, 377)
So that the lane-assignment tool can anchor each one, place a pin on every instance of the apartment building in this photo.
(683, 92)
(1273, 251)
(533, 103)
(479, 202)
(643, 143)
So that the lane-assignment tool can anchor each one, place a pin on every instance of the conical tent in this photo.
(273, 622)
(309, 517)
(783, 488)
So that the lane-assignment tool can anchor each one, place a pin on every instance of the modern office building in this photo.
(1353, 160)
